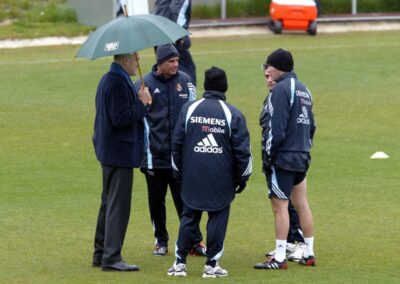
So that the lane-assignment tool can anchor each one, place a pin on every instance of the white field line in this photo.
(223, 51)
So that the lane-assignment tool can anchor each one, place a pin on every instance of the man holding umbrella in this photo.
(118, 128)
(118, 143)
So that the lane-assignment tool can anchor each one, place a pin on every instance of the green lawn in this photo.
(50, 181)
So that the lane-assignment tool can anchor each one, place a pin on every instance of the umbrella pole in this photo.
(125, 11)
(136, 57)
(140, 71)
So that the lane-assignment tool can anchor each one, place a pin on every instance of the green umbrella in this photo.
(128, 34)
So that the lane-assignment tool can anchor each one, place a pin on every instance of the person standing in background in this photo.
(295, 242)
(287, 134)
(180, 11)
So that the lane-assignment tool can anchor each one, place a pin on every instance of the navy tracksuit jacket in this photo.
(168, 97)
(211, 151)
(287, 125)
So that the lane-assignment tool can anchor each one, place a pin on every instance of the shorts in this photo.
(280, 182)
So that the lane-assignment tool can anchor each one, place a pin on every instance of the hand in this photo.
(144, 96)
(267, 163)
(177, 176)
(240, 187)
(183, 43)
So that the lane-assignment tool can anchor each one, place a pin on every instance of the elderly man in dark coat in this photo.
(118, 143)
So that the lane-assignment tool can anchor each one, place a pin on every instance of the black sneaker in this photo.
(199, 250)
(160, 250)
(271, 263)
(308, 261)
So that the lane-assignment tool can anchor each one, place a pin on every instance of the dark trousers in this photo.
(216, 230)
(114, 213)
(158, 181)
(186, 63)
(295, 233)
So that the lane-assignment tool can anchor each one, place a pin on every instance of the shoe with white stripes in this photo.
(177, 270)
(271, 263)
(214, 272)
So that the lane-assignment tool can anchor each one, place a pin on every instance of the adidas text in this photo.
(208, 149)
(303, 120)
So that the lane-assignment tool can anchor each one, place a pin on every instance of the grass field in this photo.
(50, 180)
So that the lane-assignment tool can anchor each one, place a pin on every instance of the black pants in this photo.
(114, 213)
(295, 233)
(186, 63)
(216, 230)
(157, 186)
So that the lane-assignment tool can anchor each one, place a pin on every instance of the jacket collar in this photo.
(287, 75)
(161, 77)
(117, 69)
(214, 95)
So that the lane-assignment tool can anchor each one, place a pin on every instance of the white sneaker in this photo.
(297, 254)
(178, 270)
(214, 272)
(290, 248)
(271, 253)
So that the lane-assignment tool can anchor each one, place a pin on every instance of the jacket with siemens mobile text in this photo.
(211, 152)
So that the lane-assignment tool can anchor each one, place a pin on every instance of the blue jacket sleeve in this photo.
(241, 148)
(122, 106)
(280, 108)
(177, 145)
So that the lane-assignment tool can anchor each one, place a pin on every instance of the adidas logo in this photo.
(303, 117)
(208, 145)
(157, 91)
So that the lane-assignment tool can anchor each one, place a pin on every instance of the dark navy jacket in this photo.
(211, 152)
(168, 97)
(118, 126)
(288, 125)
(178, 11)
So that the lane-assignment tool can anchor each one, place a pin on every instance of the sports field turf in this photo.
(50, 181)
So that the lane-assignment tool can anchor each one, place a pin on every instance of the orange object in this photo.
(293, 15)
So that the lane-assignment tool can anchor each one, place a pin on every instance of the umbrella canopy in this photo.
(129, 34)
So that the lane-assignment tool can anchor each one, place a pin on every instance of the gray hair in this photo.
(119, 57)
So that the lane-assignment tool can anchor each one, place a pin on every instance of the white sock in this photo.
(280, 254)
(309, 246)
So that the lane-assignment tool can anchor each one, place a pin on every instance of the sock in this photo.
(211, 263)
(309, 246)
(280, 254)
